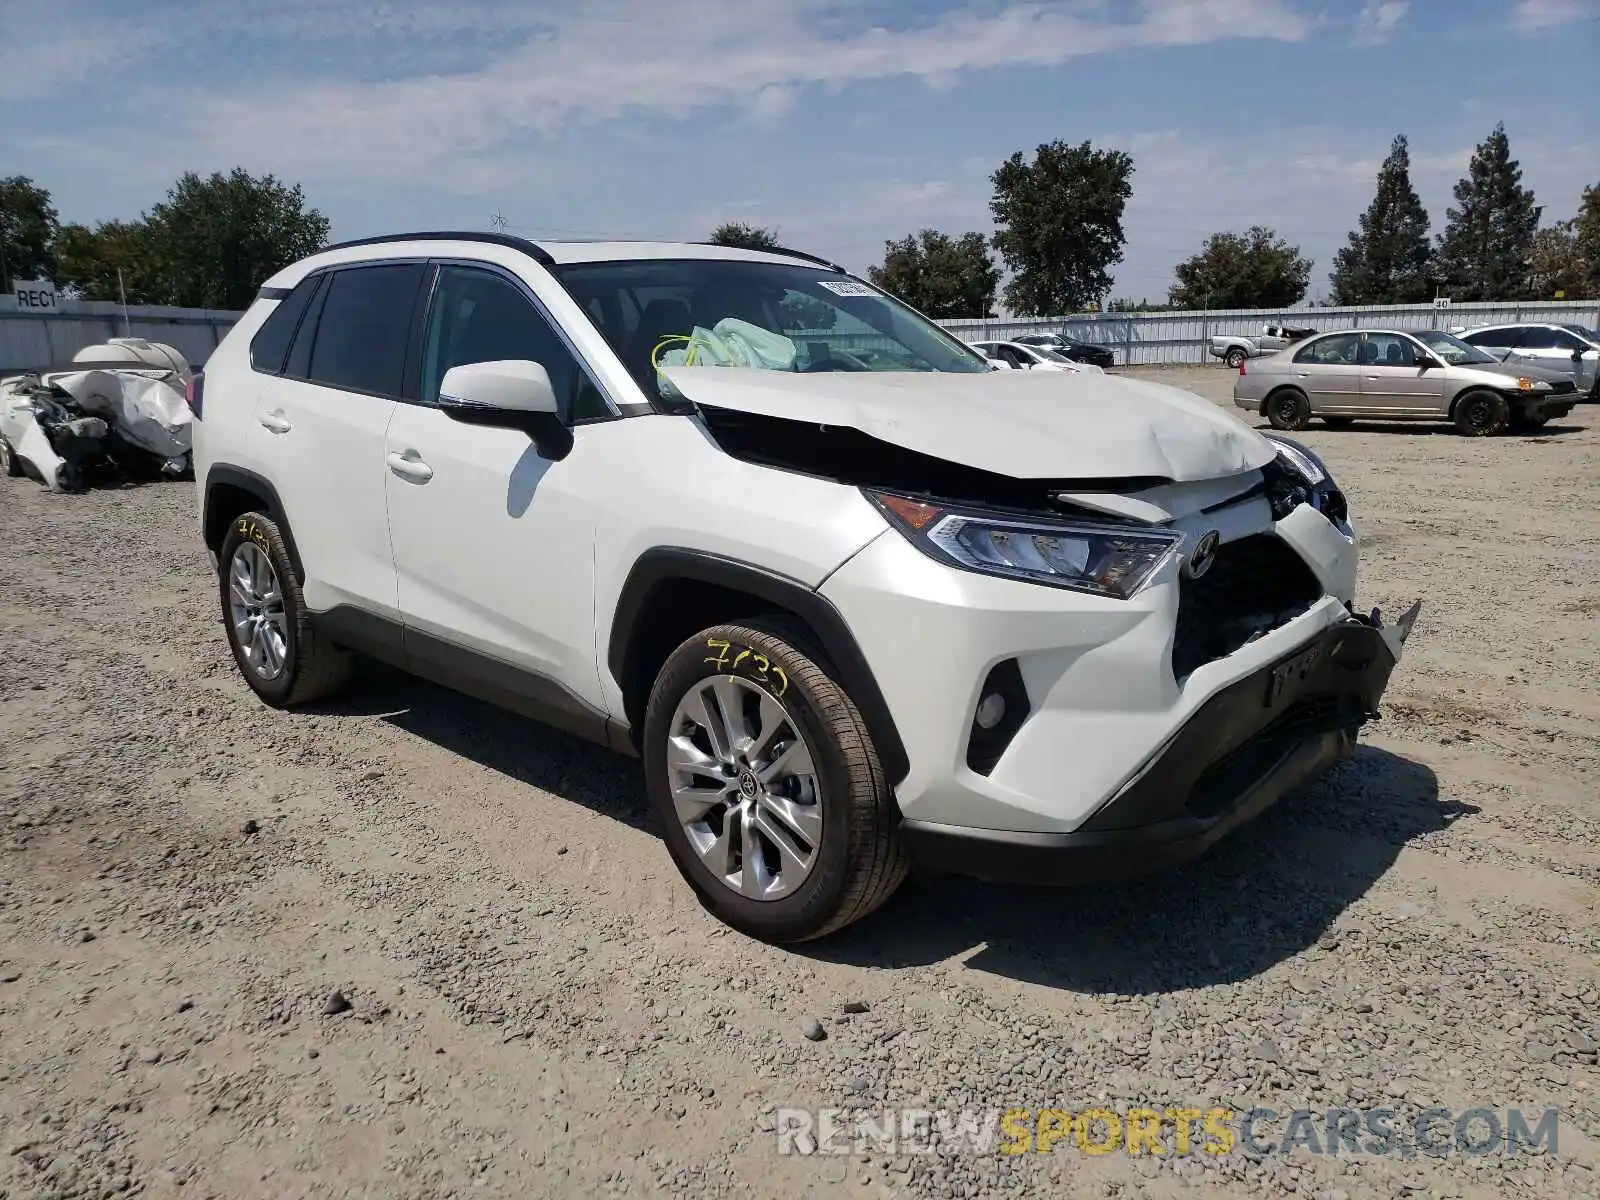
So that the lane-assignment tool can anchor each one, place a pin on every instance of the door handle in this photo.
(410, 466)
(276, 422)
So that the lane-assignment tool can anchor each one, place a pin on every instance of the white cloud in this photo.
(1378, 19)
(581, 61)
(1532, 15)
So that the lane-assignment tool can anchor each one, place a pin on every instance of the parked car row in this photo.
(1036, 349)
(1394, 375)
(1019, 356)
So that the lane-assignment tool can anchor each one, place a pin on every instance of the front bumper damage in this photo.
(1255, 741)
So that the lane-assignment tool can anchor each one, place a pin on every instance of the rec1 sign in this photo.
(37, 297)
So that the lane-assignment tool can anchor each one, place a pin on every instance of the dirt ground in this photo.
(537, 1007)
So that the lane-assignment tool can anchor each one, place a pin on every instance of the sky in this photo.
(841, 123)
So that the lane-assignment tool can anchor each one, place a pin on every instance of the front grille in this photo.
(1255, 585)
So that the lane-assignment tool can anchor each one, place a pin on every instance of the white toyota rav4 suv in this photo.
(856, 599)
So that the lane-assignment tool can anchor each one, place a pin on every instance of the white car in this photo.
(1565, 349)
(1031, 358)
(849, 617)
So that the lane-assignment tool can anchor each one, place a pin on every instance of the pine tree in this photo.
(1486, 250)
(1587, 229)
(1386, 261)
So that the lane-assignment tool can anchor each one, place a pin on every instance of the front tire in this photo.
(283, 659)
(766, 784)
(1288, 409)
(9, 462)
(1482, 414)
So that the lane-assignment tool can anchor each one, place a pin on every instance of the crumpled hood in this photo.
(1021, 424)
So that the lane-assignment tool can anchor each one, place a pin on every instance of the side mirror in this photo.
(1428, 361)
(508, 394)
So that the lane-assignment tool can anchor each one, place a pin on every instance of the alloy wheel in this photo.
(255, 605)
(744, 786)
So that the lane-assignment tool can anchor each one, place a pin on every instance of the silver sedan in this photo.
(1387, 374)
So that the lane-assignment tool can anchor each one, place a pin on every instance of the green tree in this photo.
(1256, 269)
(1386, 261)
(1557, 263)
(88, 261)
(1059, 221)
(28, 225)
(214, 241)
(1486, 250)
(744, 236)
(940, 275)
(1587, 231)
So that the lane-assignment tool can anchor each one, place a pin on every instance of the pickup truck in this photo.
(1234, 348)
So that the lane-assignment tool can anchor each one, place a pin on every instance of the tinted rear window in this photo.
(365, 327)
(271, 343)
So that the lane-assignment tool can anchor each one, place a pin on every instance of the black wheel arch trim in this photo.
(223, 475)
(665, 564)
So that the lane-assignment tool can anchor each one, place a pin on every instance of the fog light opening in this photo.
(1000, 712)
(991, 711)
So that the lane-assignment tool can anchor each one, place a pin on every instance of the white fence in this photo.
(29, 341)
(1182, 337)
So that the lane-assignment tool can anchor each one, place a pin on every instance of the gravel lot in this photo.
(538, 1008)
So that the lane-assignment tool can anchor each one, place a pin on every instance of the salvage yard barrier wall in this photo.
(1182, 337)
(29, 341)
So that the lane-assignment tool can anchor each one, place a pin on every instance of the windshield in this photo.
(1052, 354)
(1452, 349)
(728, 312)
(1592, 336)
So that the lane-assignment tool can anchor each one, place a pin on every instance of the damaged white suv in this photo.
(856, 599)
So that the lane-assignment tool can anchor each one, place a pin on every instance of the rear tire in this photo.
(723, 777)
(1482, 414)
(281, 656)
(1235, 358)
(9, 462)
(1288, 409)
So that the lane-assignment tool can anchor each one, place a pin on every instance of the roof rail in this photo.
(821, 262)
(532, 249)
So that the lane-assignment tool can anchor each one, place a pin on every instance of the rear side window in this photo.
(1338, 350)
(270, 346)
(364, 328)
(1492, 337)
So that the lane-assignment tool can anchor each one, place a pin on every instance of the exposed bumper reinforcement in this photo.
(1245, 748)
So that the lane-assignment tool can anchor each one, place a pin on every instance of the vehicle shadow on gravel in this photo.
(515, 746)
(1261, 896)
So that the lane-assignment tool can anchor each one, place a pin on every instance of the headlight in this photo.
(1308, 482)
(1103, 560)
(1305, 463)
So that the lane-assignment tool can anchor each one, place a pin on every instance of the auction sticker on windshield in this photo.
(847, 287)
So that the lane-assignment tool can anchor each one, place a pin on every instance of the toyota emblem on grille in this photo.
(1203, 554)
